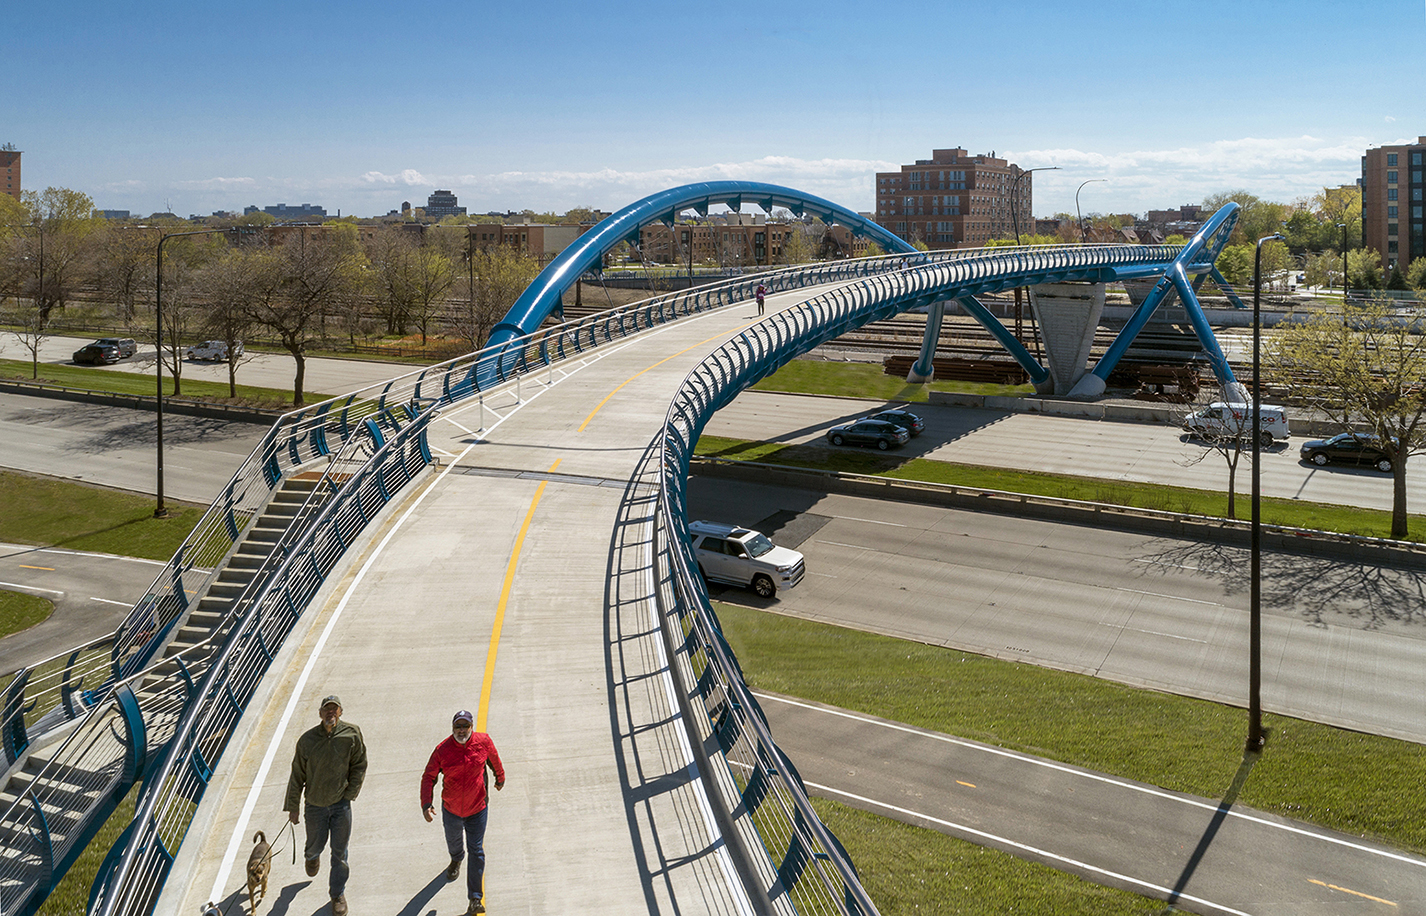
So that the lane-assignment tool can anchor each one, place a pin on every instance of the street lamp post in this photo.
(1256, 738)
(161, 510)
(1083, 235)
(1015, 221)
(1343, 227)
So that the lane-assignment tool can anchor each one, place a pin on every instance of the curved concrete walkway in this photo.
(494, 586)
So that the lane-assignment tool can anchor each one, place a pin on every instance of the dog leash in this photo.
(212, 909)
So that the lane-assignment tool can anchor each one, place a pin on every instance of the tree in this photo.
(1366, 369)
(60, 223)
(124, 266)
(1364, 269)
(30, 326)
(226, 287)
(1230, 445)
(1258, 217)
(1397, 280)
(1416, 274)
(803, 241)
(501, 274)
(296, 285)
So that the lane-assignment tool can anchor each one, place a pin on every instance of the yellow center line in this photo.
(45, 568)
(1348, 891)
(641, 372)
(968, 785)
(490, 654)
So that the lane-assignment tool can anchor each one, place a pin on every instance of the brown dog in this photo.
(259, 864)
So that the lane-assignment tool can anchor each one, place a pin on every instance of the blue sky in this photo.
(357, 106)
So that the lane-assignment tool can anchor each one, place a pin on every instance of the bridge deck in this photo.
(599, 809)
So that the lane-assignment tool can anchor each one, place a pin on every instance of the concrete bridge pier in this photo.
(1068, 314)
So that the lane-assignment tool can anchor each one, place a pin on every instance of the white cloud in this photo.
(405, 177)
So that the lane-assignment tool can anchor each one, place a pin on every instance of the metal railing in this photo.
(177, 714)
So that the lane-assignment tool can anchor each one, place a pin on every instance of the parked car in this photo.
(213, 350)
(741, 556)
(881, 433)
(127, 346)
(1347, 448)
(1225, 421)
(902, 418)
(97, 354)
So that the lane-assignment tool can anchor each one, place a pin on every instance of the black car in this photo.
(881, 433)
(902, 418)
(98, 354)
(1347, 448)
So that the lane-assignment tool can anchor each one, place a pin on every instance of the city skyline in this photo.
(177, 107)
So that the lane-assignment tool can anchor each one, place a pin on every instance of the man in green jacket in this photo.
(330, 763)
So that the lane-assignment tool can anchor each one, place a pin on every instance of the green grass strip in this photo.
(1361, 784)
(19, 611)
(1160, 497)
(908, 869)
(59, 513)
(142, 384)
(867, 380)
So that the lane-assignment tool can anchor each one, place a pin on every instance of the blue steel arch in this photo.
(543, 295)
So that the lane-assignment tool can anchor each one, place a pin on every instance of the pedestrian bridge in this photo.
(505, 532)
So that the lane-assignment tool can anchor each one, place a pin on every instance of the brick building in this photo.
(955, 200)
(10, 165)
(732, 242)
(1392, 191)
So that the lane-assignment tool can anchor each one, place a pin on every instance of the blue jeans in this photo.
(334, 821)
(474, 829)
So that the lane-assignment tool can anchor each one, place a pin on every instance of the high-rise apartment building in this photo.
(442, 204)
(10, 171)
(955, 200)
(1392, 191)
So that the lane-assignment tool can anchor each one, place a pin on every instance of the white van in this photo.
(741, 556)
(1222, 420)
(213, 350)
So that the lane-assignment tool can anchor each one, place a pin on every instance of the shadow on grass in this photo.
(1322, 591)
(1214, 825)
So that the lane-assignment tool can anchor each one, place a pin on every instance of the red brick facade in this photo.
(954, 200)
(10, 173)
(1392, 191)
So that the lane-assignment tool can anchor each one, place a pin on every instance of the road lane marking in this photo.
(112, 601)
(626, 381)
(1154, 633)
(45, 568)
(968, 785)
(1346, 890)
(486, 682)
(1096, 777)
(1135, 591)
(1034, 850)
(29, 588)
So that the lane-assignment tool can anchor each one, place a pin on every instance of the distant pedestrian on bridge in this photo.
(330, 764)
(463, 758)
(761, 293)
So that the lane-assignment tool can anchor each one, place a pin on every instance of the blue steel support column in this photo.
(1038, 373)
(922, 370)
(1207, 242)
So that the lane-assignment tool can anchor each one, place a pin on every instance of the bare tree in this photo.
(1222, 432)
(226, 286)
(501, 274)
(124, 266)
(30, 326)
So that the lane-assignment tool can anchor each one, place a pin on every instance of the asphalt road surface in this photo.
(91, 593)
(265, 370)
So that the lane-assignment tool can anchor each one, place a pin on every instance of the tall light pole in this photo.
(161, 510)
(1343, 227)
(1083, 235)
(1015, 221)
(1256, 738)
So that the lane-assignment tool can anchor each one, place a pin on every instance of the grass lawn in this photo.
(59, 513)
(908, 869)
(142, 384)
(19, 611)
(866, 380)
(1361, 784)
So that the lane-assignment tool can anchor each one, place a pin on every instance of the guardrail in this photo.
(176, 715)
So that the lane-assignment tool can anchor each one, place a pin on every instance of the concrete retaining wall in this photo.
(185, 406)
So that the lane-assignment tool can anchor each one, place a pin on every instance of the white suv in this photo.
(741, 556)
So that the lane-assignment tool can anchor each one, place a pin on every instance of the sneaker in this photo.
(453, 871)
(313, 866)
(475, 907)
(339, 905)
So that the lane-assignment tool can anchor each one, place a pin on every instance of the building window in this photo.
(1391, 211)
(1391, 248)
(1415, 193)
(1415, 176)
(1415, 158)
(1391, 193)
(1391, 177)
(1391, 228)
(1415, 212)
(1391, 158)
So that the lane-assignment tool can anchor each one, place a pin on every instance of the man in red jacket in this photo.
(463, 758)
